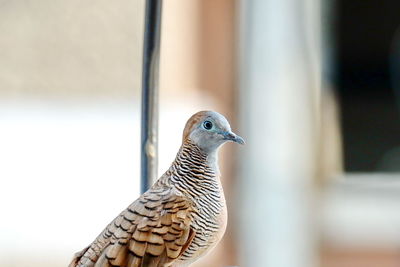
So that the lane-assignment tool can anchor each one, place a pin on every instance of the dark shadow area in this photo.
(367, 77)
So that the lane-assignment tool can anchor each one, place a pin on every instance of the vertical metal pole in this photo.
(151, 54)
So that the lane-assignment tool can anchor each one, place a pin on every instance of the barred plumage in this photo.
(181, 217)
(192, 174)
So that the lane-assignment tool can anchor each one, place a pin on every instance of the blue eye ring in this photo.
(208, 125)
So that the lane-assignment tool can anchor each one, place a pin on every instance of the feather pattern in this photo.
(175, 221)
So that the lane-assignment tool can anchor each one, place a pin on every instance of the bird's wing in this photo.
(152, 231)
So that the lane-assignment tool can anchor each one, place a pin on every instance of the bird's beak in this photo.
(233, 137)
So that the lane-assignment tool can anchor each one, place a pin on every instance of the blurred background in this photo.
(313, 86)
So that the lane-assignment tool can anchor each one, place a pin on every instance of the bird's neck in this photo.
(191, 159)
(196, 155)
(194, 172)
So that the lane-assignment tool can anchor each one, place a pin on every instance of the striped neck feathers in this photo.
(191, 158)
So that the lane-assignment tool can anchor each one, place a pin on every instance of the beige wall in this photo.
(69, 49)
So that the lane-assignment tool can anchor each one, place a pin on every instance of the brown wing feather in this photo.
(152, 231)
(77, 257)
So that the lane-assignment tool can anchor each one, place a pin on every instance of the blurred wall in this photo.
(69, 49)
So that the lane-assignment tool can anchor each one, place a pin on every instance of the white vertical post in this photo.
(279, 96)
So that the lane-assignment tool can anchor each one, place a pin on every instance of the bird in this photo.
(181, 217)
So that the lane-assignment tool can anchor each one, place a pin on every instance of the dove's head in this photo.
(209, 130)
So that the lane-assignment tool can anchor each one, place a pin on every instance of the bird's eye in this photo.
(207, 125)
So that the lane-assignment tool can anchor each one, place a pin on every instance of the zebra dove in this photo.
(181, 217)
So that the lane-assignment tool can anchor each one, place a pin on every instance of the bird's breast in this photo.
(209, 226)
